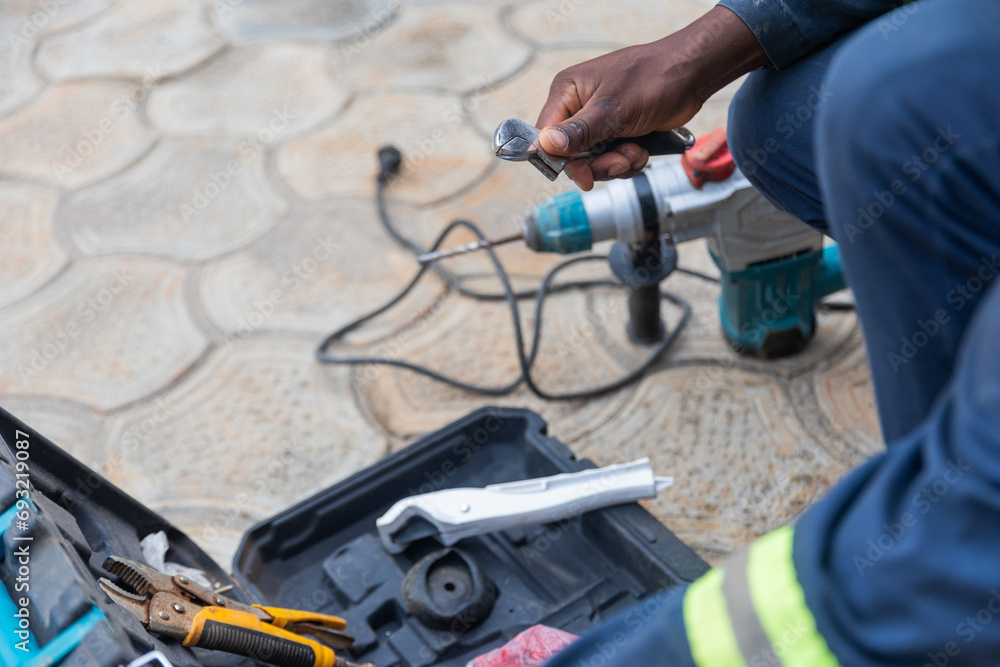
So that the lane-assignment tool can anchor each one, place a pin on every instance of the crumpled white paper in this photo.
(154, 549)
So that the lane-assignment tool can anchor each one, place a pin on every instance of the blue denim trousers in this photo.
(887, 140)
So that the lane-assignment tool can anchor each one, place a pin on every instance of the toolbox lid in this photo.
(70, 519)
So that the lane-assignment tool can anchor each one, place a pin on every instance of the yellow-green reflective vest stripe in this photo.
(753, 612)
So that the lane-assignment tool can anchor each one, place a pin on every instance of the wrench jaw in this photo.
(549, 165)
(516, 149)
(516, 141)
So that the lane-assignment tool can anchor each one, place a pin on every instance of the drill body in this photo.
(774, 268)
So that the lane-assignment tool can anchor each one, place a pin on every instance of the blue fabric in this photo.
(649, 634)
(791, 29)
(909, 168)
(917, 261)
(772, 121)
(899, 562)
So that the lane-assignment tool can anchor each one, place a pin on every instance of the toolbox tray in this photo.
(324, 553)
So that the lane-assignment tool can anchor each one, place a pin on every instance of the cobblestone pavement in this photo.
(185, 208)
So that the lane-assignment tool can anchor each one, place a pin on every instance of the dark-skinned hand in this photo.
(641, 89)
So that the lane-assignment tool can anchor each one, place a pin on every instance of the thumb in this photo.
(578, 133)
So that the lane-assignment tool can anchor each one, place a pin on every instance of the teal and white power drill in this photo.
(774, 268)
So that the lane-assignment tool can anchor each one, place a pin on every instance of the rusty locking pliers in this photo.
(177, 607)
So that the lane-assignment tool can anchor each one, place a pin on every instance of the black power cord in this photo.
(390, 160)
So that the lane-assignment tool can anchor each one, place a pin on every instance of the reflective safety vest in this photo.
(752, 612)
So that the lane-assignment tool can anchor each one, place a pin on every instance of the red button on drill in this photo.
(709, 159)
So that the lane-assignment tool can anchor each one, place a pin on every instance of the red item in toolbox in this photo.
(709, 159)
(532, 648)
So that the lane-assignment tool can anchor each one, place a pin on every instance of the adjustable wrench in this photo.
(517, 141)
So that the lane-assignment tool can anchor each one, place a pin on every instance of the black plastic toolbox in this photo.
(324, 554)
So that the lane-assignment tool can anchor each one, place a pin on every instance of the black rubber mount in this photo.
(448, 590)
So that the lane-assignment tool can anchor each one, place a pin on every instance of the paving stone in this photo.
(318, 20)
(75, 134)
(105, 333)
(255, 429)
(557, 22)
(482, 3)
(75, 428)
(741, 462)
(315, 271)
(22, 24)
(189, 198)
(137, 38)
(31, 19)
(453, 48)
(845, 397)
(498, 205)
(473, 341)
(523, 95)
(277, 89)
(29, 253)
(18, 81)
(218, 531)
(442, 154)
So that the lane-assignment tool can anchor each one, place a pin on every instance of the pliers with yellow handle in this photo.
(178, 607)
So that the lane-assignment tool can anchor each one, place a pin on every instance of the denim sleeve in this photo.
(790, 29)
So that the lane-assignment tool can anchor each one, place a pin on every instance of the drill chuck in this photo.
(560, 225)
